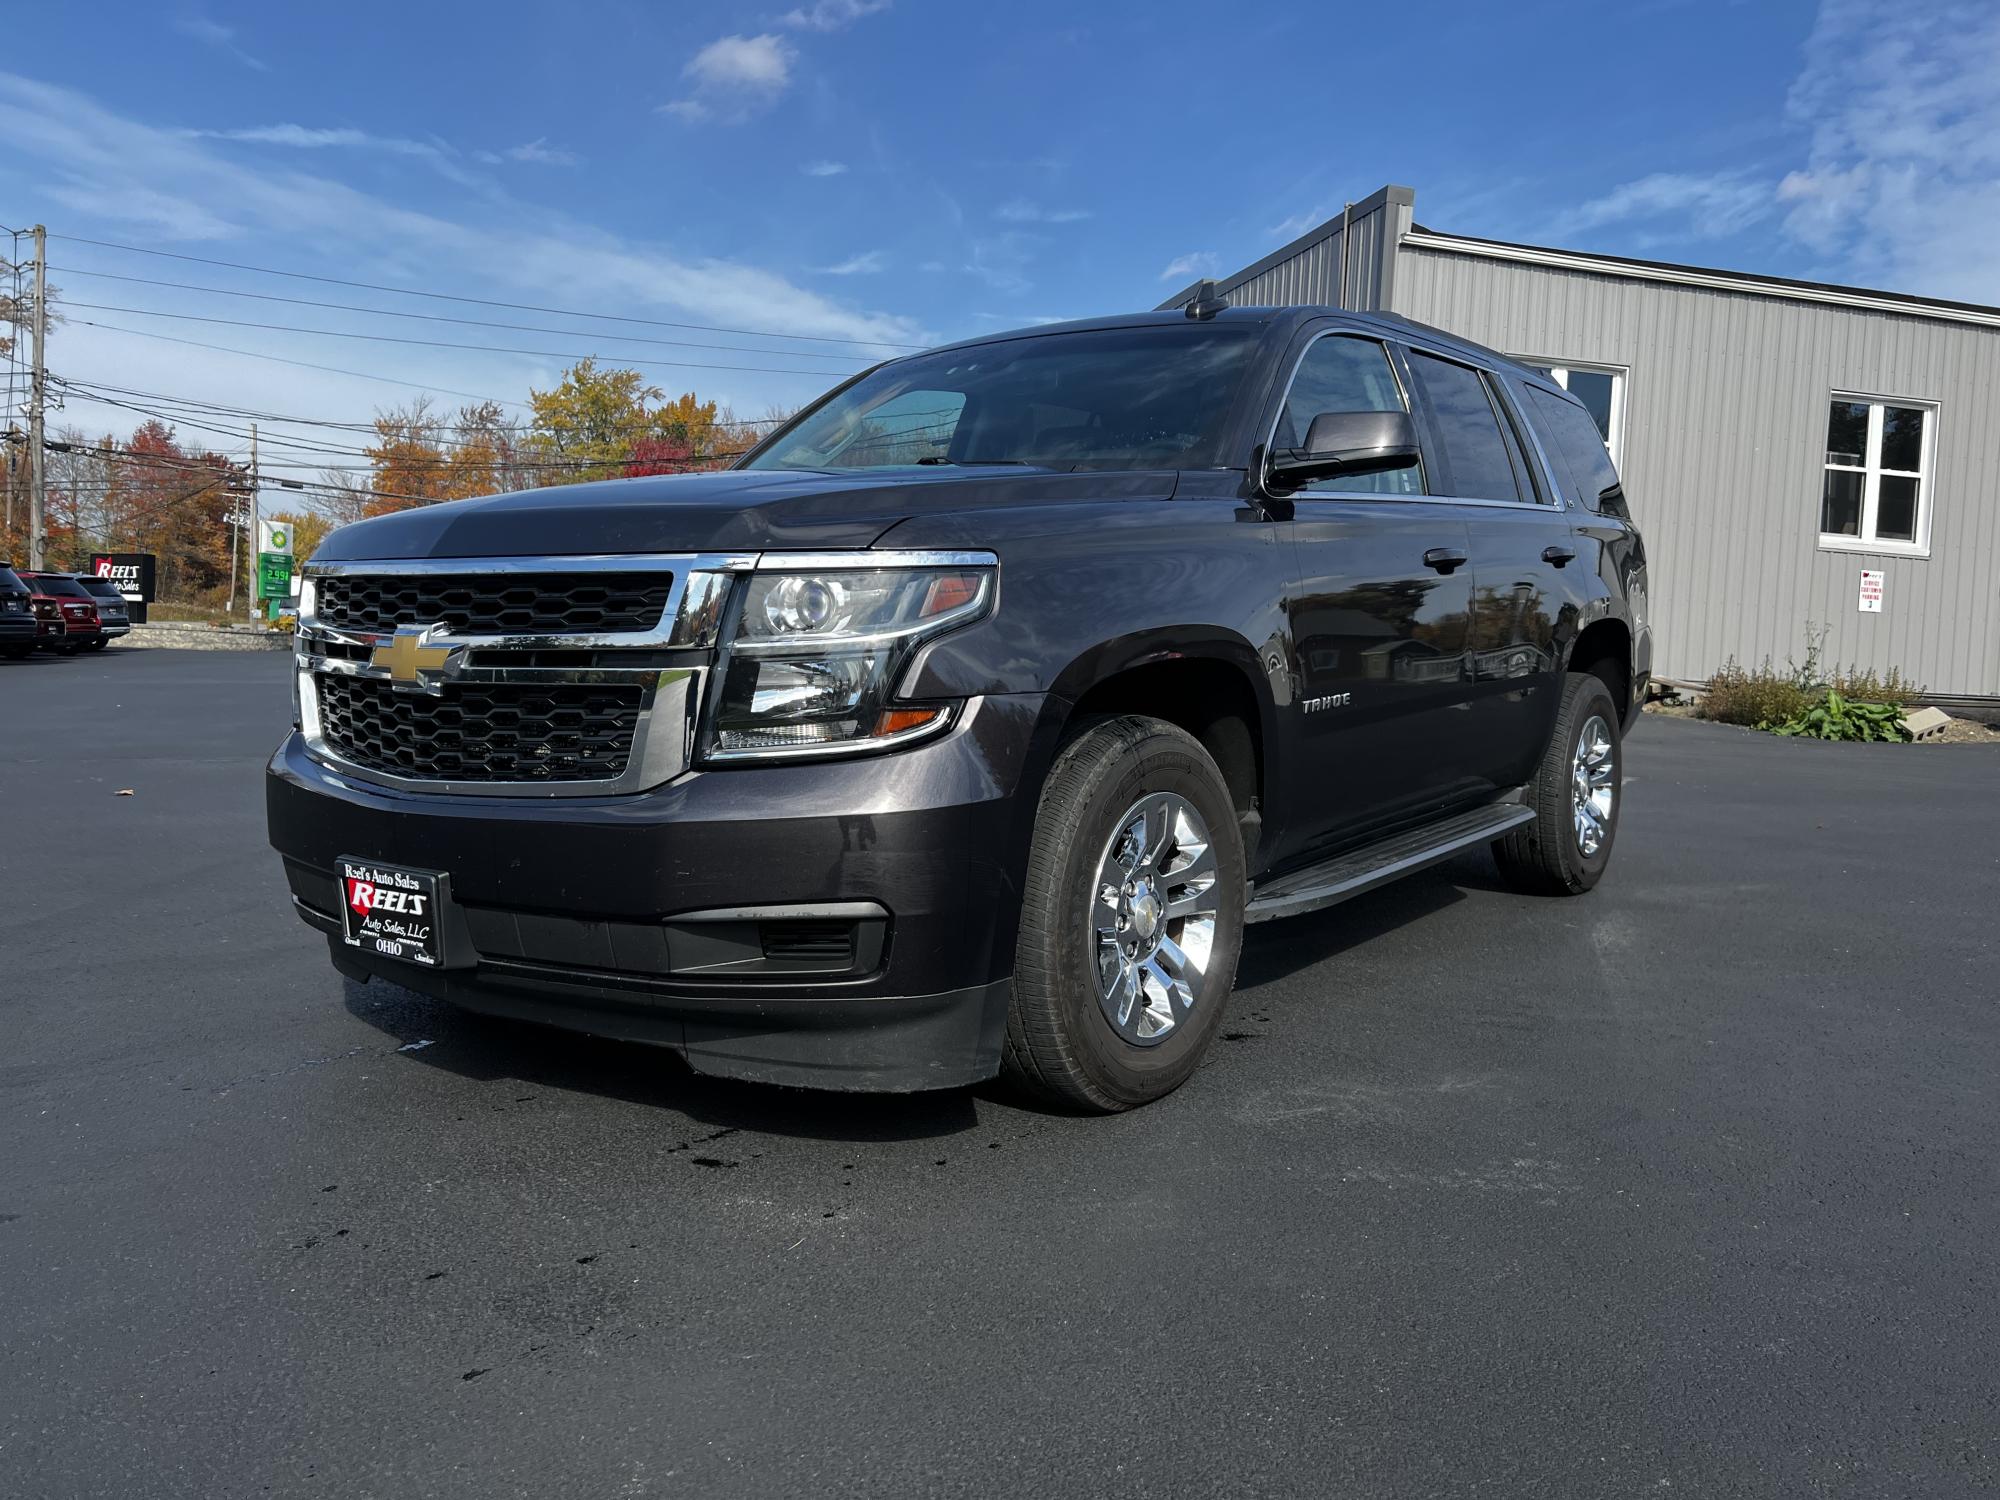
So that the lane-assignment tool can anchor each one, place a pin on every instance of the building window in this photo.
(1876, 490)
(1601, 388)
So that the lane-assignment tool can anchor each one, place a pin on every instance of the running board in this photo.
(1376, 864)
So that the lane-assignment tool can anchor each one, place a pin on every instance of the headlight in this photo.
(813, 656)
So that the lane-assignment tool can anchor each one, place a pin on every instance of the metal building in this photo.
(1800, 456)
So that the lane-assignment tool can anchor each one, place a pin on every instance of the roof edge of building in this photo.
(1422, 237)
(1360, 209)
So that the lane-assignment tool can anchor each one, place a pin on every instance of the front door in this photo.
(1380, 613)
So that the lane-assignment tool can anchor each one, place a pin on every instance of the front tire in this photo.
(1576, 794)
(1131, 919)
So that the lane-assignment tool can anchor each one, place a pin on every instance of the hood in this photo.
(737, 510)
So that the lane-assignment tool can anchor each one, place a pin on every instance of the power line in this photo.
(564, 312)
(390, 312)
(86, 389)
(302, 364)
(390, 338)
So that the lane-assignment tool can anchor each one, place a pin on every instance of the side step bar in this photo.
(1376, 864)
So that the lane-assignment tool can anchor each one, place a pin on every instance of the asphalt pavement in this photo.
(1688, 1186)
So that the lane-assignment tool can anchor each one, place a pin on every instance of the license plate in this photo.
(393, 911)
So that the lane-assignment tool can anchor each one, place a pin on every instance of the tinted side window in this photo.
(9, 583)
(1477, 458)
(1345, 374)
(1582, 464)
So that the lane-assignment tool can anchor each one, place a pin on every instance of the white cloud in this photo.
(867, 263)
(1706, 206)
(1187, 267)
(1022, 211)
(734, 77)
(1299, 223)
(540, 152)
(831, 15)
(116, 177)
(221, 38)
(437, 154)
(1901, 185)
(824, 168)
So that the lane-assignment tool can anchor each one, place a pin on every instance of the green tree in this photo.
(594, 418)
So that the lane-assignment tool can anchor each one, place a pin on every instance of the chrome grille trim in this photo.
(670, 692)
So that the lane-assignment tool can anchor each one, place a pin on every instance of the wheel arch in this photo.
(1603, 649)
(1209, 682)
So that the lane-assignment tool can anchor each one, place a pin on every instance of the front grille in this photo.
(496, 603)
(481, 731)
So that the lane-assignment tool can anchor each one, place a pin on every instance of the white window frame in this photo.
(1871, 471)
(1621, 377)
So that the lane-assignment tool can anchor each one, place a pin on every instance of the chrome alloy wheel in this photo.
(1152, 918)
(1593, 785)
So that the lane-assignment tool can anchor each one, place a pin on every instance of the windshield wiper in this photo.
(1018, 463)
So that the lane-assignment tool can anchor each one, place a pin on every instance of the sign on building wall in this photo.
(1871, 592)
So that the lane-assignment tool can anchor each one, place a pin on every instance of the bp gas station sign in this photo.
(274, 561)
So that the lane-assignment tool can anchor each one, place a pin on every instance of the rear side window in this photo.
(1476, 455)
(1344, 374)
(1581, 462)
(10, 582)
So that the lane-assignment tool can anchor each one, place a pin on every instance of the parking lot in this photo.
(1687, 1186)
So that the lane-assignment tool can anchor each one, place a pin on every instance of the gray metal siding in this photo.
(1307, 272)
(1725, 435)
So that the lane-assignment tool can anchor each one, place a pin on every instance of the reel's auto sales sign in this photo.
(131, 571)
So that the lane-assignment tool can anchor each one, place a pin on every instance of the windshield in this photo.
(1125, 398)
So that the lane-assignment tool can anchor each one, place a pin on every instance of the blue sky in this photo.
(907, 172)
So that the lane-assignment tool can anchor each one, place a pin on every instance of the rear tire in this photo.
(1131, 919)
(1576, 795)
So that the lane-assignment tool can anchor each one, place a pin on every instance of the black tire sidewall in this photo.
(1163, 762)
(1589, 698)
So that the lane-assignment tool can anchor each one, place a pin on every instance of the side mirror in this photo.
(1347, 442)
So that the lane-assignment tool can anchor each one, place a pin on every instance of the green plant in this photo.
(1870, 687)
(1753, 697)
(1836, 717)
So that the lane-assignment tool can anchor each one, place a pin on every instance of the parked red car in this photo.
(65, 614)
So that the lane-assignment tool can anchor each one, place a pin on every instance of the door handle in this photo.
(1558, 555)
(1444, 559)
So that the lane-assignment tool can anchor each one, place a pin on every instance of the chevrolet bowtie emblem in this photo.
(408, 654)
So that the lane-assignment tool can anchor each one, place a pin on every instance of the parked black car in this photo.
(18, 628)
(965, 723)
(113, 612)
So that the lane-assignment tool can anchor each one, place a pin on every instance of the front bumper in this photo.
(578, 909)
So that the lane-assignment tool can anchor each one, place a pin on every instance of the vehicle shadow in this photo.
(486, 1050)
(1276, 950)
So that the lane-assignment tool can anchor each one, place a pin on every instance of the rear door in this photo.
(1380, 613)
(1523, 562)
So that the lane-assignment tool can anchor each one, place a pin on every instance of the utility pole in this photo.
(37, 400)
(250, 558)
